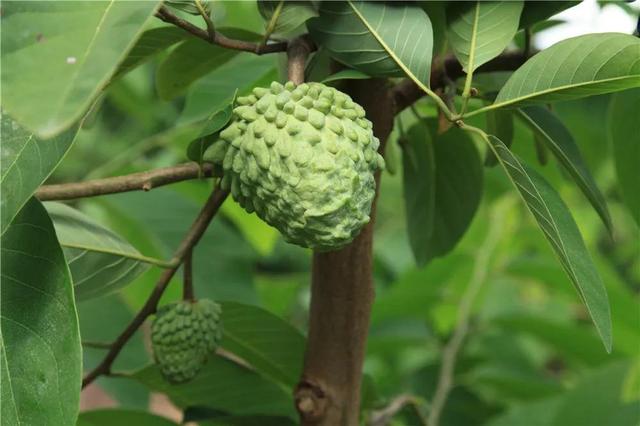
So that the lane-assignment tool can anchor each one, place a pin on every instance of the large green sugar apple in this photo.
(303, 158)
(183, 335)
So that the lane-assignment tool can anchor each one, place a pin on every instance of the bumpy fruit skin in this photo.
(303, 158)
(183, 335)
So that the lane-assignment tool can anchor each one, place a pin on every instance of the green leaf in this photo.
(57, 56)
(284, 17)
(624, 134)
(273, 347)
(208, 134)
(555, 136)
(574, 68)
(500, 124)
(419, 186)
(558, 226)
(536, 11)
(26, 162)
(226, 386)
(100, 261)
(150, 43)
(377, 38)
(113, 416)
(443, 188)
(479, 31)
(347, 75)
(39, 336)
(189, 6)
(192, 59)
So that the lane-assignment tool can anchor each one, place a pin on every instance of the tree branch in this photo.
(297, 53)
(217, 38)
(192, 237)
(407, 92)
(142, 181)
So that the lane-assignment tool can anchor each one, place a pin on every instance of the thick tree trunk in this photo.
(341, 299)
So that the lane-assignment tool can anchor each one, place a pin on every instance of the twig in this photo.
(211, 29)
(450, 352)
(297, 53)
(192, 237)
(165, 15)
(187, 276)
(383, 417)
(142, 181)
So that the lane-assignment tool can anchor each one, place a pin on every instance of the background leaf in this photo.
(556, 137)
(499, 124)
(209, 134)
(577, 67)
(623, 131)
(226, 386)
(561, 231)
(39, 336)
(273, 347)
(418, 166)
(109, 417)
(192, 59)
(100, 261)
(479, 31)
(150, 43)
(536, 11)
(377, 38)
(26, 162)
(79, 44)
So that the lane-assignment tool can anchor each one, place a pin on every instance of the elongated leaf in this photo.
(226, 386)
(624, 116)
(150, 43)
(577, 67)
(479, 31)
(552, 133)
(272, 346)
(558, 226)
(41, 364)
(77, 45)
(193, 59)
(100, 261)
(112, 416)
(377, 38)
(419, 185)
(285, 16)
(26, 162)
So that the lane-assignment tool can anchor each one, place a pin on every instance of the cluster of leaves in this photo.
(131, 94)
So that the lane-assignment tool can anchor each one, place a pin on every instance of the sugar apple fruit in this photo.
(303, 158)
(183, 335)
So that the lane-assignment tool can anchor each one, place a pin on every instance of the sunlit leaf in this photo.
(284, 17)
(39, 337)
(26, 162)
(57, 56)
(100, 261)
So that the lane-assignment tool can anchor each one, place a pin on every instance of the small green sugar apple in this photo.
(303, 158)
(183, 335)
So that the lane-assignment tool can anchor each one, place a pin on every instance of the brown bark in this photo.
(341, 298)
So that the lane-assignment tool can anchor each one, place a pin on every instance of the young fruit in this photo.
(303, 158)
(183, 335)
